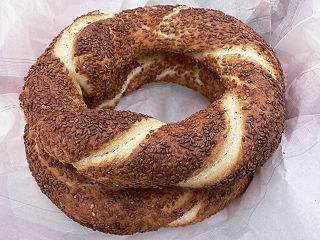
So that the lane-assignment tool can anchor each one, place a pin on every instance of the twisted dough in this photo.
(184, 171)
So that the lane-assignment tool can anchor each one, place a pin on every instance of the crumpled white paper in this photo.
(282, 202)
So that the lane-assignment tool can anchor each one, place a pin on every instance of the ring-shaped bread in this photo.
(176, 173)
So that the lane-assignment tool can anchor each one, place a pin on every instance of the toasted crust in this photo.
(101, 57)
(123, 210)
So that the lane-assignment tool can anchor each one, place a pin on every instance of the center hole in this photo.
(168, 102)
(166, 86)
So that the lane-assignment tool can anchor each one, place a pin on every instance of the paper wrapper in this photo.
(283, 200)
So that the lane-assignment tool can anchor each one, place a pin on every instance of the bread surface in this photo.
(123, 172)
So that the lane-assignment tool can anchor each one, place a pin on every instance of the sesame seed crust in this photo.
(121, 210)
(73, 134)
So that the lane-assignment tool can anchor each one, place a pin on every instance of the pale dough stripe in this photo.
(188, 216)
(249, 53)
(231, 150)
(123, 144)
(174, 12)
(63, 48)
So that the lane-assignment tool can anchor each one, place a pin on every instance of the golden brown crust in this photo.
(167, 155)
(120, 211)
(112, 55)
